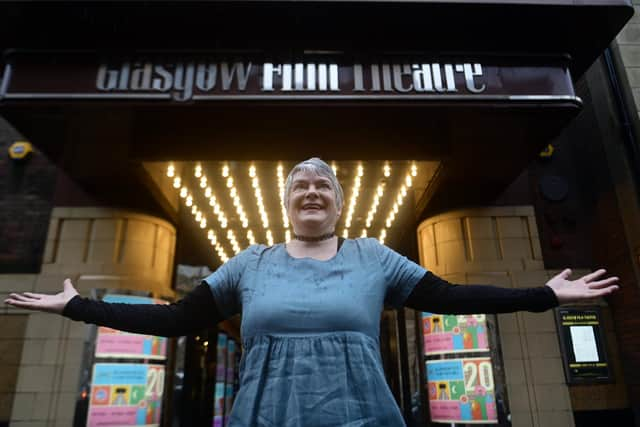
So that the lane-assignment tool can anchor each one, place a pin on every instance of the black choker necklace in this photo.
(314, 238)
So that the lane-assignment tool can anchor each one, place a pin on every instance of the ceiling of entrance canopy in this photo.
(581, 29)
(238, 203)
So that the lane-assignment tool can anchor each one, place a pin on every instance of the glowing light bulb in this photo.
(229, 182)
(387, 170)
(252, 171)
(183, 192)
(171, 170)
(198, 171)
(225, 171)
(414, 170)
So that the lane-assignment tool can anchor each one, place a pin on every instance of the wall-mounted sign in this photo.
(583, 346)
(111, 343)
(125, 395)
(462, 391)
(450, 334)
(179, 77)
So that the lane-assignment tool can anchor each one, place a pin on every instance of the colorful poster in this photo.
(218, 408)
(221, 358)
(221, 374)
(451, 334)
(125, 395)
(462, 391)
(112, 343)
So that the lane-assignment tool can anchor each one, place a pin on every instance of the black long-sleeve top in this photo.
(198, 308)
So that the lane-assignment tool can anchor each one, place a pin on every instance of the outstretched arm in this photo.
(195, 311)
(436, 295)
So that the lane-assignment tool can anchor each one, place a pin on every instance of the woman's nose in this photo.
(312, 189)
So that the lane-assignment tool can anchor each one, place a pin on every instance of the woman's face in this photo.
(312, 204)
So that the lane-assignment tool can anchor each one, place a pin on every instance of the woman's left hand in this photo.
(584, 288)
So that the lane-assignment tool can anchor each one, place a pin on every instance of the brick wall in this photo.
(26, 192)
(629, 46)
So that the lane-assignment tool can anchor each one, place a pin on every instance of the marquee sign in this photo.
(184, 78)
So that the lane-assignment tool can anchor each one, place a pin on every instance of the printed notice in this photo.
(583, 348)
(584, 344)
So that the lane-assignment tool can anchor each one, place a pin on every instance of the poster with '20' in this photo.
(462, 390)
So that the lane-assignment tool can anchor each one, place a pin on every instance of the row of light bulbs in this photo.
(285, 217)
(355, 193)
(200, 218)
(233, 194)
(255, 183)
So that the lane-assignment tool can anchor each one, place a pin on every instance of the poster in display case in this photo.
(462, 391)
(452, 334)
(112, 343)
(226, 379)
(126, 394)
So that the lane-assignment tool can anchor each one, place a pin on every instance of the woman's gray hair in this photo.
(317, 166)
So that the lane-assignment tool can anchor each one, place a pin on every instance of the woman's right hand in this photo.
(43, 302)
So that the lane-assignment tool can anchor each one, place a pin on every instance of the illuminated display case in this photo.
(463, 374)
(226, 384)
(138, 380)
(124, 374)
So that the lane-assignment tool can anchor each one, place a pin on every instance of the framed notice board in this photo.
(583, 345)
